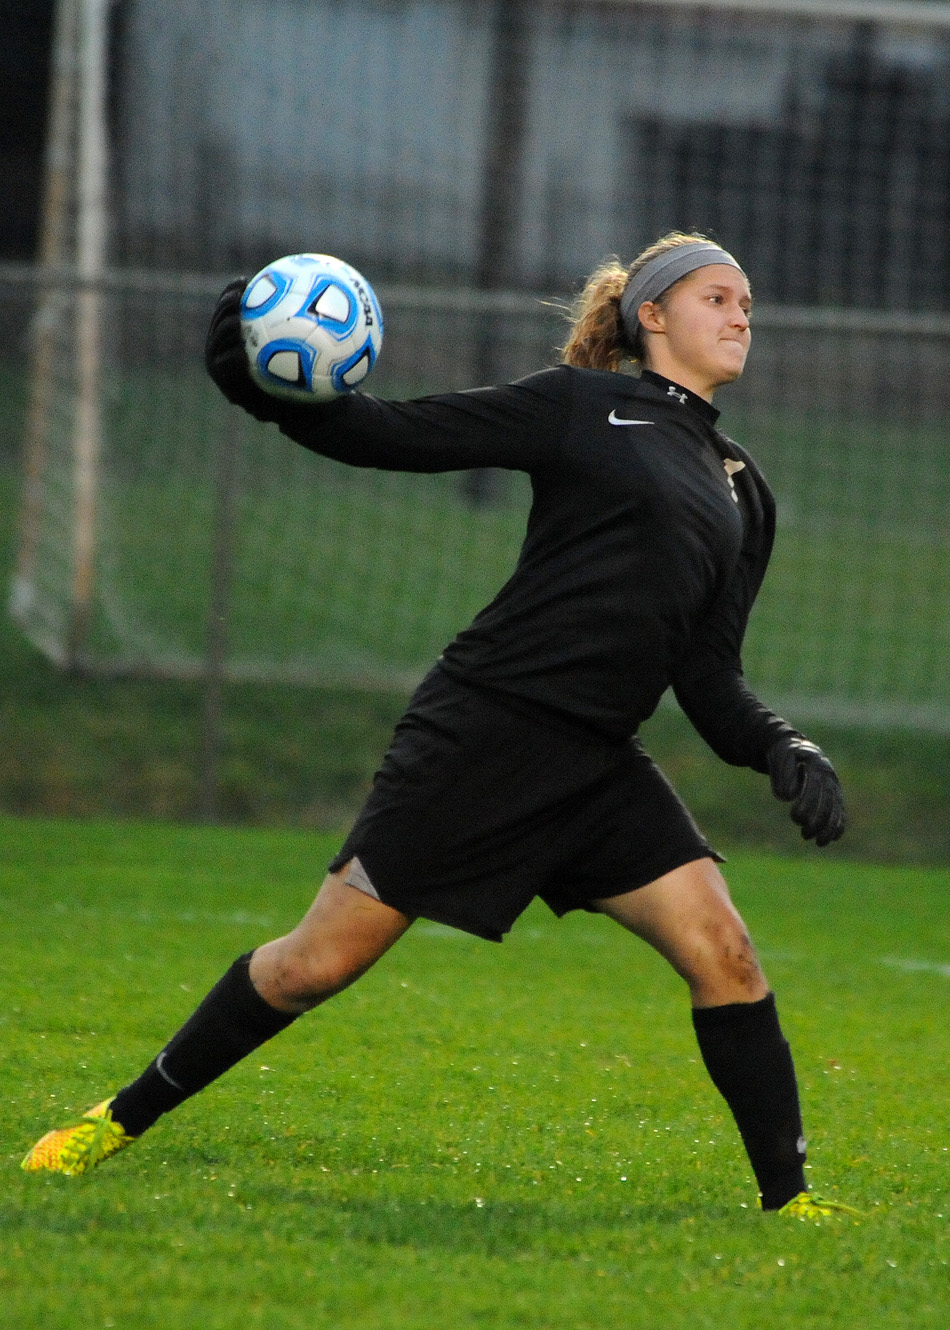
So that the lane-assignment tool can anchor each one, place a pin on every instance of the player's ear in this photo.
(651, 316)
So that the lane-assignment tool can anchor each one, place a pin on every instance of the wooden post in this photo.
(90, 262)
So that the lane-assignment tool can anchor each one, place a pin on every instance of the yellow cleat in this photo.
(80, 1146)
(806, 1206)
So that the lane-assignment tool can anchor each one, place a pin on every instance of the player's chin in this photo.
(731, 365)
(728, 375)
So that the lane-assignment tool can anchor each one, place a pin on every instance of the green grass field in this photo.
(515, 1136)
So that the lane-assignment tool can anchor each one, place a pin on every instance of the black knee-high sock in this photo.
(751, 1066)
(231, 1022)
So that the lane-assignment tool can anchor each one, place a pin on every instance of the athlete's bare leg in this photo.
(343, 933)
(689, 918)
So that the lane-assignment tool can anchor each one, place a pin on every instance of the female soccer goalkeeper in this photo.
(516, 771)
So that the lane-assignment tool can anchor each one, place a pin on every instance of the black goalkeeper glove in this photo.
(226, 359)
(803, 776)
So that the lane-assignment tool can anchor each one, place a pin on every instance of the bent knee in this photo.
(302, 980)
(720, 965)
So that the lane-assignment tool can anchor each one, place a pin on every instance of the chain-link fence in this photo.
(475, 160)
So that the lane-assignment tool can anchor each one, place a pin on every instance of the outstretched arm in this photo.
(515, 426)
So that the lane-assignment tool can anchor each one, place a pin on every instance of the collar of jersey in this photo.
(667, 388)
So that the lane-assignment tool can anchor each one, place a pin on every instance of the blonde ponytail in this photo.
(597, 339)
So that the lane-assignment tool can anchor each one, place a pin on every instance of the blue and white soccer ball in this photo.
(312, 327)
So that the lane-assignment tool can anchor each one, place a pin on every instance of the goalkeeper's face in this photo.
(699, 334)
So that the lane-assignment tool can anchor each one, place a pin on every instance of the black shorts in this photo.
(482, 803)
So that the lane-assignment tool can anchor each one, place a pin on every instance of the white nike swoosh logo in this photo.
(614, 419)
(163, 1073)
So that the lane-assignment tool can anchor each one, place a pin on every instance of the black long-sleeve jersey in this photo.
(643, 552)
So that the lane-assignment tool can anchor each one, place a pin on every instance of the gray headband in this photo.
(660, 273)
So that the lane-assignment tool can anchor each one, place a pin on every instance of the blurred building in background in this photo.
(512, 143)
(516, 143)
